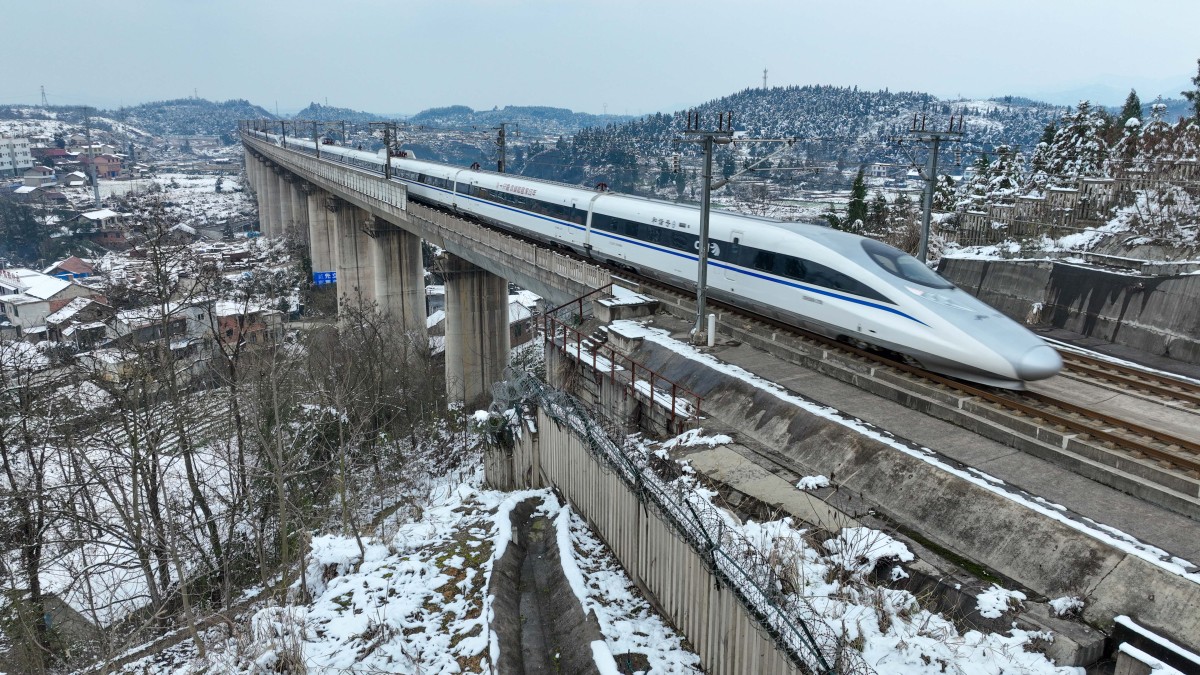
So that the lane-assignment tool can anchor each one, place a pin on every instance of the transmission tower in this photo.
(764, 79)
(45, 103)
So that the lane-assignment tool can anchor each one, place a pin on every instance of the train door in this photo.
(735, 249)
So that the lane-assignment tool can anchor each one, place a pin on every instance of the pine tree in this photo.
(1132, 109)
(857, 211)
(878, 212)
(1078, 149)
(1194, 94)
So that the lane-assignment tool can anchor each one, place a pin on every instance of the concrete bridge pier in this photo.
(321, 214)
(399, 276)
(268, 202)
(251, 164)
(477, 340)
(287, 216)
(300, 190)
(355, 264)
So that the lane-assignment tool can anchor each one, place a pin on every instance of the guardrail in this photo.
(346, 175)
(811, 644)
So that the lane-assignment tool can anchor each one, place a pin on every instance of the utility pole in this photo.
(501, 144)
(709, 139)
(389, 132)
(316, 136)
(918, 133)
(87, 125)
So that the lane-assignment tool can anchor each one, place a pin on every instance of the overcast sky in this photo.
(623, 56)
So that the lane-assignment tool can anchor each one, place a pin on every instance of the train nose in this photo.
(1039, 363)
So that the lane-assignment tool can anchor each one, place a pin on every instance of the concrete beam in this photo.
(477, 340)
(399, 276)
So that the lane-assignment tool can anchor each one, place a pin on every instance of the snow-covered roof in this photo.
(32, 283)
(68, 332)
(102, 214)
(71, 309)
(435, 318)
(231, 308)
(21, 299)
(517, 312)
(25, 189)
(72, 264)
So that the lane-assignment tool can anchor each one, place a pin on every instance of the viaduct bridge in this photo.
(361, 231)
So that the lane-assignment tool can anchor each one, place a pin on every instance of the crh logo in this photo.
(713, 250)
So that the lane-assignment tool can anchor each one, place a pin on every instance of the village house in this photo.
(80, 324)
(74, 179)
(104, 227)
(28, 297)
(70, 268)
(38, 176)
(107, 165)
(252, 326)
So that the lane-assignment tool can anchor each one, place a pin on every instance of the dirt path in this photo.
(541, 625)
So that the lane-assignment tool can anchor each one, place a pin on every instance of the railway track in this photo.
(1127, 378)
(1051, 426)
(1113, 451)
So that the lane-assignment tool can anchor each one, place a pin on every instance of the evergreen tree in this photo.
(1078, 149)
(944, 193)
(1132, 109)
(1194, 94)
(878, 212)
(857, 211)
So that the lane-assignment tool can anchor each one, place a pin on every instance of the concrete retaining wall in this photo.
(1045, 555)
(719, 628)
(1158, 315)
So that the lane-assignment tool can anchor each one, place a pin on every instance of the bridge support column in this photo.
(477, 340)
(355, 277)
(249, 161)
(268, 203)
(287, 201)
(300, 190)
(322, 232)
(399, 276)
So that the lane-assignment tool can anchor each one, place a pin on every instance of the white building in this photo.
(14, 156)
(27, 297)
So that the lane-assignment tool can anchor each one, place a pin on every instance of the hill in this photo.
(327, 113)
(531, 120)
(190, 116)
(833, 125)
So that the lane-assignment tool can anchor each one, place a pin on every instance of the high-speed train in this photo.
(842, 285)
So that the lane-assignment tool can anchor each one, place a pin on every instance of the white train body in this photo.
(835, 283)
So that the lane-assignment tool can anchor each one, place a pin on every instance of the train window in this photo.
(631, 229)
(764, 260)
(903, 265)
(794, 268)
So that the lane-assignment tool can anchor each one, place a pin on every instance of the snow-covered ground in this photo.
(417, 598)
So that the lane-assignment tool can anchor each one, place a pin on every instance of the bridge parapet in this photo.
(388, 196)
(557, 277)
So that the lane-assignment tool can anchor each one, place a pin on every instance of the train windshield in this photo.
(903, 265)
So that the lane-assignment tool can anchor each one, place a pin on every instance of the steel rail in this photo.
(1158, 384)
